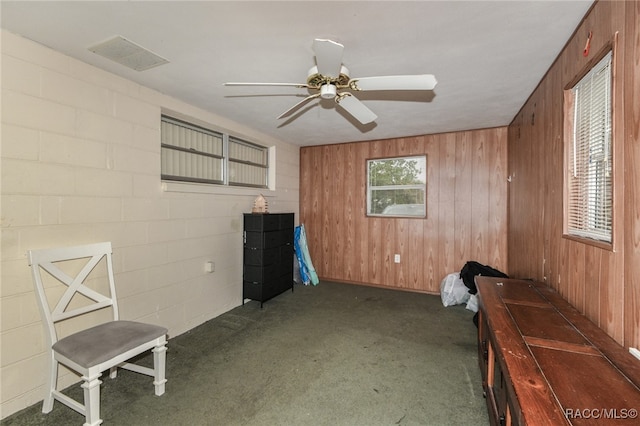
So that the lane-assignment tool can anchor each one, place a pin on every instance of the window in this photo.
(589, 156)
(248, 164)
(397, 186)
(191, 153)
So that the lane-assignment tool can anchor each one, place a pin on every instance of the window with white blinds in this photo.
(191, 153)
(248, 164)
(589, 162)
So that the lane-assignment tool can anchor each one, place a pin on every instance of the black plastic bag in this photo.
(473, 268)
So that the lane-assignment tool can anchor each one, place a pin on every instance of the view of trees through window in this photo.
(397, 186)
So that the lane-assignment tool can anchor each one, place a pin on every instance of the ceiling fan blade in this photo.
(298, 105)
(357, 109)
(328, 57)
(394, 82)
(300, 85)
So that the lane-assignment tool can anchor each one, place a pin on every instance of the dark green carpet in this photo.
(334, 354)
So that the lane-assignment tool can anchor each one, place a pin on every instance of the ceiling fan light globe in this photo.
(328, 91)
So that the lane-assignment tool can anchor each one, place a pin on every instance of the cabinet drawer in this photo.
(261, 222)
(263, 239)
(257, 291)
(285, 282)
(286, 252)
(261, 257)
(286, 237)
(285, 266)
(261, 274)
(286, 221)
(260, 291)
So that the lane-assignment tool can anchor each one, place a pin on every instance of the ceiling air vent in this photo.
(127, 53)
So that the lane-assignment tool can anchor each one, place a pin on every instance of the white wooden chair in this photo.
(94, 350)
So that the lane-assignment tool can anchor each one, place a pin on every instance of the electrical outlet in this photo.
(396, 258)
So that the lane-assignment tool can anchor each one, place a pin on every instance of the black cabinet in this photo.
(268, 255)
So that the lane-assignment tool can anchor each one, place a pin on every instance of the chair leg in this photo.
(159, 357)
(47, 404)
(91, 388)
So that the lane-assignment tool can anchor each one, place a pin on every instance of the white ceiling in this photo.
(488, 56)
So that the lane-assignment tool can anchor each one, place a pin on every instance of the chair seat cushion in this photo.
(100, 343)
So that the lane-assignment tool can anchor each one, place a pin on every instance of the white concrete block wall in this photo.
(80, 163)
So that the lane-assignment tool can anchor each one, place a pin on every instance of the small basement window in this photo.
(248, 164)
(192, 153)
(397, 186)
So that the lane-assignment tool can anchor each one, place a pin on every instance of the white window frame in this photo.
(589, 155)
(247, 163)
(195, 154)
(417, 209)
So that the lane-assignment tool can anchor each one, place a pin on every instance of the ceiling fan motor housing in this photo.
(315, 80)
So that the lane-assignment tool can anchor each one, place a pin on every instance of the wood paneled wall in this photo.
(603, 284)
(466, 210)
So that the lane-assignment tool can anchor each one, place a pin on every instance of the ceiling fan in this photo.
(330, 80)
